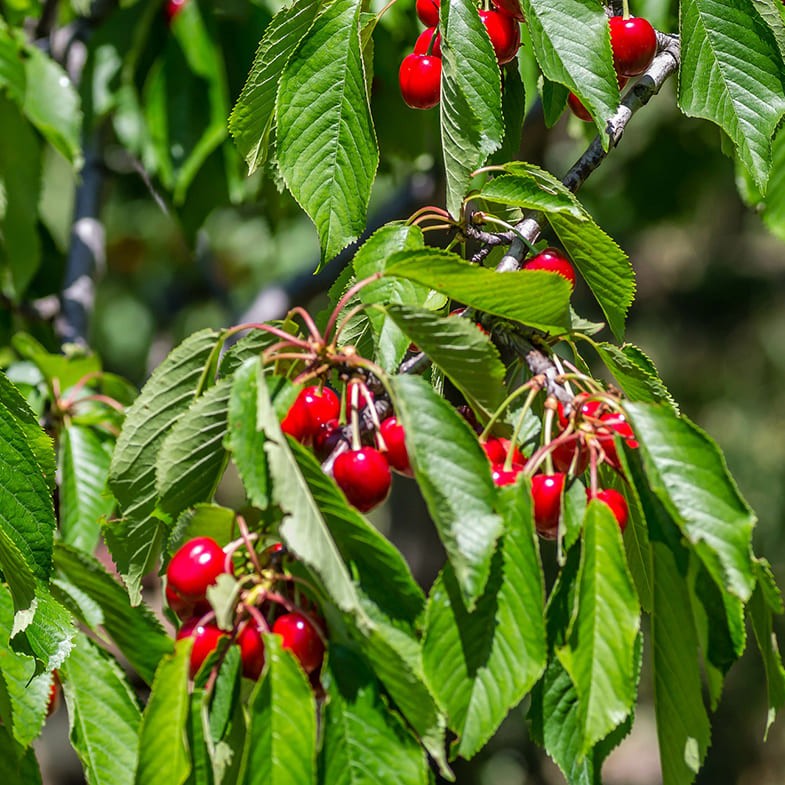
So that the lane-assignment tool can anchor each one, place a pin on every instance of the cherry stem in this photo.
(437, 227)
(385, 9)
(355, 395)
(253, 612)
(560, 367)
(292, 340)
(311, 373)
(625, 4)
(518, 426)
(548, 429)
(248, 540)
(492, 219)
(69, 399)
(307, 320)
(428, 210)
(530, 385)
(109, 401)
(347, 296)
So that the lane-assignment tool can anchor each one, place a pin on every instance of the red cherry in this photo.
(577, 107)
(496, 448)
(504, 32)
(206, 639)
(421, 48)
(301, 638)
(564, 453)
(326, 438)
(546, 493)
(510, 7)
(428, 12)
(54, 695)
(296, 423)
(313, 407)
(185, 609)
(251, 651)
(364, 476)
(554, 261)
(591, 409)
(615, 501)
(502, 477)
(172, 8)
(634, 44)
(468, 414)
(420, 80)
(395, 438)
(617, 421)
(194, 567)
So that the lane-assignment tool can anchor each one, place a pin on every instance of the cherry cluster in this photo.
(421, 72)
(634, 44)
(362, 472)
(267, 602)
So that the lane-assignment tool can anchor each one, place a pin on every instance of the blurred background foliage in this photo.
(201, 249)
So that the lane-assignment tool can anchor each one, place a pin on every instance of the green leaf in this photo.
(513, 105)
(452, 472)
(461, 350)
(303, 529)
(12, 69)
(470, 108)
(688, 474)
(135, 541)
(531, 192)
(135, 630)
(364, 742)
(52, 104)
(600, 651)
(390, 342)
(192, 459)
(327, 149)
(772, 206)
(635, 373)
(103, 715)
(498, 651)
(572, 44)
(20, 189)
(731, 74)
(603, 265)
(201, 769)
(381, 570)
(252, 118)
(26, 694)
(761, 610)
(163, 747)
(554, 101)
(84, 495)
(51, 632)
(281, 745)
(27, 520)
(17, 766)
(65, 369)
(539, 300)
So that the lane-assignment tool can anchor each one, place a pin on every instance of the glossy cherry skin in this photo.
(428, 12)
(546, 493)
(421, 48)
(420, 79)
(565, 452)
(504, 32)
(299, 636)
(185, 609)
(501, 477)
(496, 448)
(634, 44)
(251, 651)
(552, 260)
(577, 107)
(615, 501)
(193, 568)
(206, 639)
(364, 476)
(511, 8)
(395, 440)
(313, 407)
(614, 422)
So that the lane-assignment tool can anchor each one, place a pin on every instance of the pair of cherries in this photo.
(634, 44)
(421, 72)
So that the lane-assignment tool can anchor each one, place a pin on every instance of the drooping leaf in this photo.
(688, 474)
(135, 630)
(498, 651)
(365, 743)
(135, 540)
(539, 300)
(461, 350)
(281, 741)
(49, 634)
(454, 478)
(600, 651)
(163, 747)
(327, 149)
(528, 192)
(103, 715)
(472, 125)
(731, 74)
(252, 118)
(84, 495)
(635, 373)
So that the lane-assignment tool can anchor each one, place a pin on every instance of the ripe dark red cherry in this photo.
(428, 12)
(421, 48)
(546, 493)
(193, 568)
(577, 107)
(501, 477)
(553, 261)
(364, 476)
(206, 639)
(327, 438)
(565, 452)
(185, 609)
(634, 44)
(299, 636)
(54, 695)
(395, 439)
(504, 32)
(313, 407)
(496, 448)
(420, 80)
(615, 422)
(510, 7)
(615, 501)
(251, 651)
